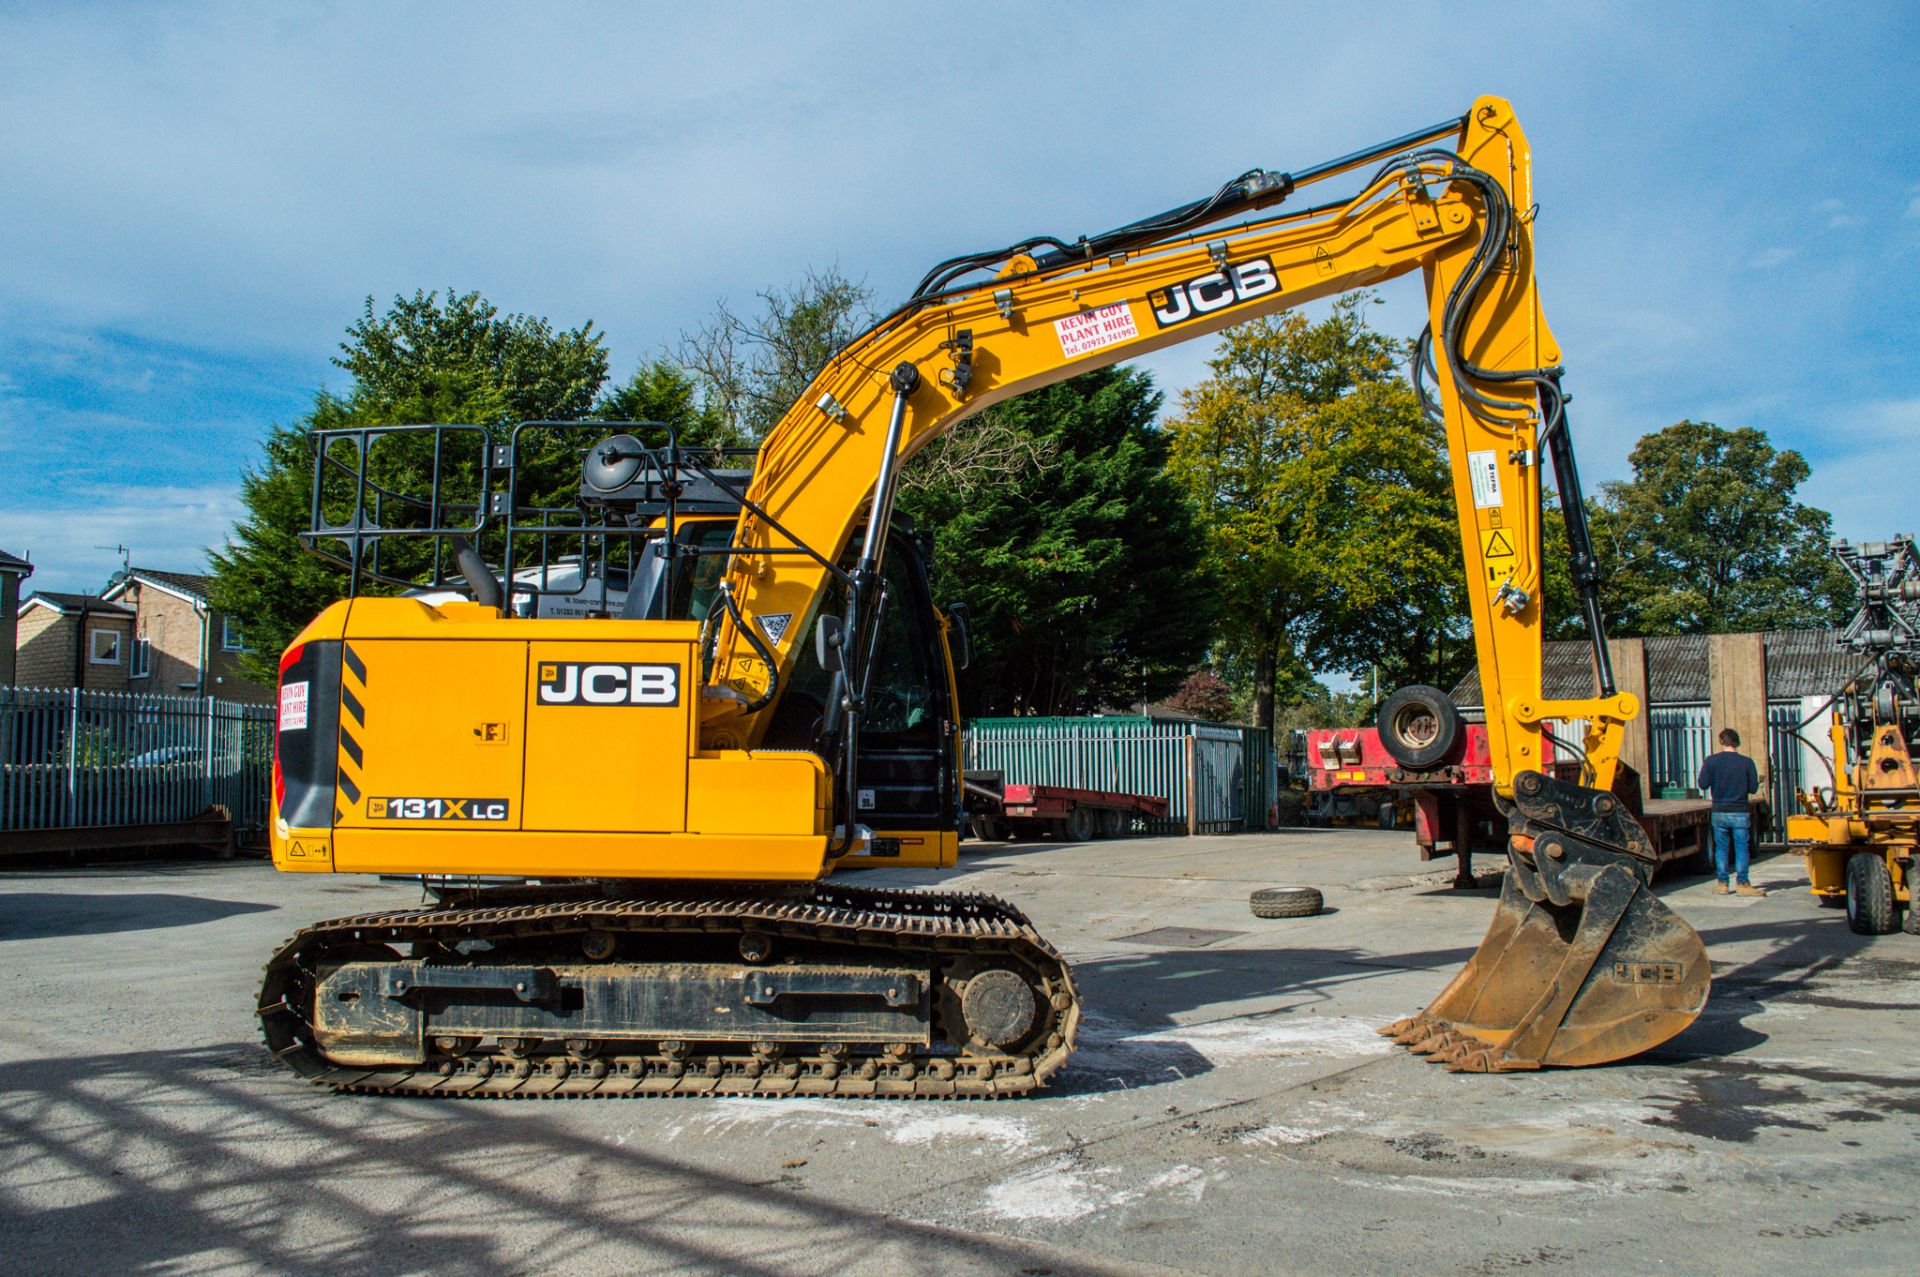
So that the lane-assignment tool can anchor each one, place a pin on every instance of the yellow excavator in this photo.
(627, 718)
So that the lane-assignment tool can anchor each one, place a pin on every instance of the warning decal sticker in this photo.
(293, 706)
(775, 625)
(1092, 330)
(1483, 468)
(1496, 543)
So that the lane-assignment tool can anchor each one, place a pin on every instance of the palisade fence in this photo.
(75, 759)
(1232, 774)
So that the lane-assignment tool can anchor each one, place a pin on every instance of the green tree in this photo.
(1080, 559)
(1326, 501)
(661, 390)
(1708, 537)
(428, 358)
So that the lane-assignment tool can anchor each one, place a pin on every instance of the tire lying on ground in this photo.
(1286, 902)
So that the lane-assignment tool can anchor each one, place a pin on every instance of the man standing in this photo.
(1731, 778)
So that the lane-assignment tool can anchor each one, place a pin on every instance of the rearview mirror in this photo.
(960, 622)
(829, 637)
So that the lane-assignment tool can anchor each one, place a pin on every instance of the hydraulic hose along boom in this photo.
(1581, 964)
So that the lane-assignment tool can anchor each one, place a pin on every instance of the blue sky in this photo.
(196, 199)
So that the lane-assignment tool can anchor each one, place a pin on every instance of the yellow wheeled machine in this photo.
(1860, 833)
(629, 804)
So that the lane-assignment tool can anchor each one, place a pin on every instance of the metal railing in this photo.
(1231, 772)
(75, 759)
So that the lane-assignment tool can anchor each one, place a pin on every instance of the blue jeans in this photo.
(1735, 828)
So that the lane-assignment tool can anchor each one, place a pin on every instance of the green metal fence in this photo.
(72, 759)
(1228, 768)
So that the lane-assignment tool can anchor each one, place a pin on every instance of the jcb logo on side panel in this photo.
(1203, 296)
(584, 683)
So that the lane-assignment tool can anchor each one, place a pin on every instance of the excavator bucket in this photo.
(1583, 964)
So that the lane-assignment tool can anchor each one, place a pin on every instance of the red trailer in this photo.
(1452, 800)
(997, 810)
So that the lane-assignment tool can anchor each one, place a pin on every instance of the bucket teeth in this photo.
(1410, 1030)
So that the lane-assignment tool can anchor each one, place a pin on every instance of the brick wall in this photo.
(45, 657)
(172, 630)
(172, 627)
(98, 676)
(45, 653)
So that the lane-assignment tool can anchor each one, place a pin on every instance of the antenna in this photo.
(126, 559)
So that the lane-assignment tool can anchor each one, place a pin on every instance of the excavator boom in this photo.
(1581, 964)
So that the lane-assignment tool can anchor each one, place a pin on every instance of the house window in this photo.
(231, 639)
(142, 664)
(103, 647)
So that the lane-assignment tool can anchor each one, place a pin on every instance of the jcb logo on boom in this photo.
(586, 683)
(1203, 296)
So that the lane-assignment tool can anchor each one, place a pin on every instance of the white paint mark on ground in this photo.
(1054, 1190)
(944, 1128)
(1059, 1191)
(1231, 1041)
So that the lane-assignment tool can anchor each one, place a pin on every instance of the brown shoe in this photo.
(1721, 888)
(1748, 889)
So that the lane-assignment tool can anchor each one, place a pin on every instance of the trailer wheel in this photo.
(988, 828)
(1286, 902)
(1079, 826)
(1419, 725)
(1870, 907)
(1113, 823)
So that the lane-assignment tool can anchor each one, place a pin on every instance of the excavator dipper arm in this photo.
(1582, 964)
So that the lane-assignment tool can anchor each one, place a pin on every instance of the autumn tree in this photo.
(1326, 501)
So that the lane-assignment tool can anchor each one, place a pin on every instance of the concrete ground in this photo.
(1230, 1109)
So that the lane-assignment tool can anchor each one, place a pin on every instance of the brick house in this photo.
(13, 570)
(73, 640)
(180, 645)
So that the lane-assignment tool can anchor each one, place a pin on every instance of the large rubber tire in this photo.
(1286, 902)
(1079, 826)
(1113, 823)
(1870, 907)
(1419, 725)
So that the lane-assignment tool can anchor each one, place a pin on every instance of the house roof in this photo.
(72, 604)
(191, 586)
(14, 565)
(1799, 663)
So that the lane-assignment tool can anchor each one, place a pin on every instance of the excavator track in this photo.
(991, 1003)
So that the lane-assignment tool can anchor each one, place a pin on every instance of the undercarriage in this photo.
(615, 989)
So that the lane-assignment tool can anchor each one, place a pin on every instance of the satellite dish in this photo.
(614, 462)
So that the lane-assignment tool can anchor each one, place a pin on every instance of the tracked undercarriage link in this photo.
(582, 991)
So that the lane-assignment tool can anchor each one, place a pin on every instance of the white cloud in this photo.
(168, 528)
(1768, 258)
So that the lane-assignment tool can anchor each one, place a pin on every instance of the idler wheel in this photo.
(999, 1007)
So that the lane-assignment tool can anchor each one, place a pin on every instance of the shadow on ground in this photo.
(35, 915)
(207, 1159)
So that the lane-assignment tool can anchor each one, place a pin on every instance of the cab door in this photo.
(906, 788)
